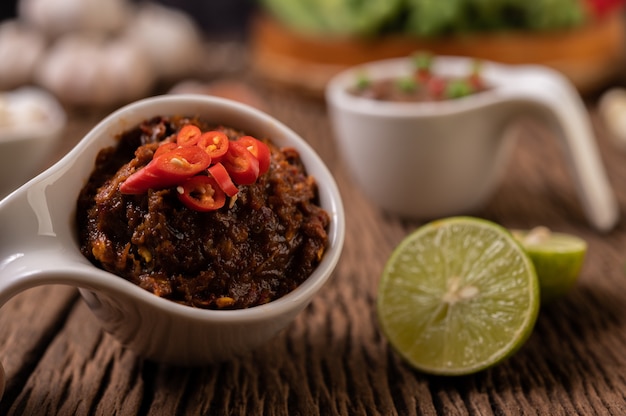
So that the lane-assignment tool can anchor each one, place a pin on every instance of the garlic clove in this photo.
(82, 70)
(20, 48)
(60, 17)
(170, 38)
(129, 70)
(70, 71)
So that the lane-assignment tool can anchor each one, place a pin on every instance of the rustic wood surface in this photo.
(333, 360)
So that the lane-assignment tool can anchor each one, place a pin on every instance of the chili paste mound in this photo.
(264, 242)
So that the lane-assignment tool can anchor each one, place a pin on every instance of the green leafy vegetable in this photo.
(425, 17)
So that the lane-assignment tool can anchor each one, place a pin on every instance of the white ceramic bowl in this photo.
(38, 245)
(31, 123)
(434, 159)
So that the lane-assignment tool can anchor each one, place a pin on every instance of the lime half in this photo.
(457, 296)
(558, 259)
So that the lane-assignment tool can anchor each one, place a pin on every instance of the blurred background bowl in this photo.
(31, 123)
(440, 157)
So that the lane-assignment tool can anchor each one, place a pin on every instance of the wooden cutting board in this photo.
(588, 56)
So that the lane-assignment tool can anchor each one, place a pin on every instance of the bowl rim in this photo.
(497, 76)
(302, 294)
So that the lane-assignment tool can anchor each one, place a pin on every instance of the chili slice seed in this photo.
(181, 163)
(259, 149)
(188, 135)
(201, 193)
(241, 164)
(215, 143)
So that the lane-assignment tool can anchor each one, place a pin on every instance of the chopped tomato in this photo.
(188, 135)
(436, 86)
(167, 170)
(475, 82)
(475, 78)
(259, 149)
(422, 76)
(215, 143)
(201, 193)
(423, 66)
(164, 148)
(221, 176)
(241, 164)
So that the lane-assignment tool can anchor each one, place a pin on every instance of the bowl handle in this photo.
(35, 247)
(553, 98)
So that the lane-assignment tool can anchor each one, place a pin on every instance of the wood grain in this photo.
(333, 359)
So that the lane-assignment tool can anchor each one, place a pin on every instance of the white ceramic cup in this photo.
(39, 245)
(435, 159)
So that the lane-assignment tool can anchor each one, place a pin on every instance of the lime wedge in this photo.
(558, 259)
(457, 296)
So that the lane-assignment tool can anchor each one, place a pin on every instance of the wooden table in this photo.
(333, 359)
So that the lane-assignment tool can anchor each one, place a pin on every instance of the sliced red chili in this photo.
(188, 135)
(259, 149)
(201, 193)
(221, 176)
(140, 181)
(215, 143)
(182, 162)
(167, 170)
(164, 148)
(241, 164)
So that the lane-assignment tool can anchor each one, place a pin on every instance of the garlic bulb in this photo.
(129, 69)
(82, 70)
(170, 37)
(63, 16)
(20, 49)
